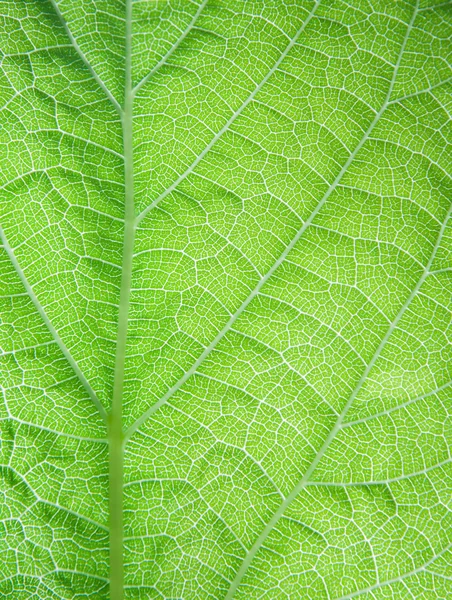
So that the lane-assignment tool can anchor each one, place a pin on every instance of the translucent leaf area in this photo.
(225, 315)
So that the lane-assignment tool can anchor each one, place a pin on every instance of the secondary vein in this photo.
(231, 120)
(135, 426)
(53, 332)
(82, 56)
(173, 48)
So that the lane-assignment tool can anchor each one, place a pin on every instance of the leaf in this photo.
(225, 282)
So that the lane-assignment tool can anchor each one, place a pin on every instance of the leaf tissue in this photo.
(225, 281)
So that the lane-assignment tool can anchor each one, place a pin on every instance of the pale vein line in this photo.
(396, 579)
(71, 436)
(435, 574)
(47, 172)
(39, 500)
(308, 527)
(435, 6)
(25, 348)
(398, 407)
(84, 141)
(84, 59)
(81, 377)
(438, 271)
(40, 578)
(231, 120)
(378, 243)
(82, 573)
(64, 509)
(159, 480)
(421, 92)
(264, 400)
(171, 50)
(381, 481)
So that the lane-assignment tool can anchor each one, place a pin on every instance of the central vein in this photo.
(115, 432)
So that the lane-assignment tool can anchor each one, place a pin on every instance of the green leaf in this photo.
(225, 299)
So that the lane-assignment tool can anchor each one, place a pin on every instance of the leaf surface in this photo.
(226, 239)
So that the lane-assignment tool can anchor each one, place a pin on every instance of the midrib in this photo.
(115, 431)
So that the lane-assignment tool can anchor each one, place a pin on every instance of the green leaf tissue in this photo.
(225, 300)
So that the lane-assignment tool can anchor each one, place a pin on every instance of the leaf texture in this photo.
(225, 299)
